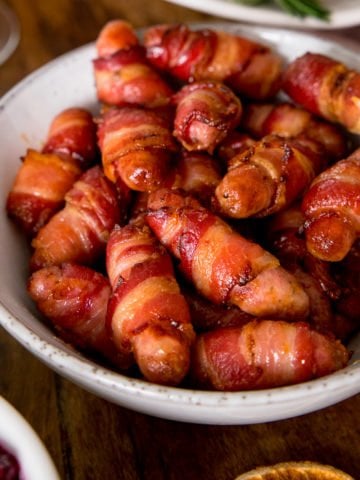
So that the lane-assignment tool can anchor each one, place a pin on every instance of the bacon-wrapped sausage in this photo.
(287, 242)
(332, 210)
(125, 77)
(122, 72)
(287, 120)
(285, 237)
(332, 288)
(78, 233)
(115, 35)
(325, 87)
(205, 113)
(268, 176)
(39, 189)
(264, 354)
(43, 178)
(223, 265)
(246, 66)
(137, 145)
(147, 313)
(74, 298)
(72, 133)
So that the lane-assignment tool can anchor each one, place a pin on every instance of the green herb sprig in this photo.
(300, 8)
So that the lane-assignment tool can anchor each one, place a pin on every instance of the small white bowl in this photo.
(25, 115)
(19, 439)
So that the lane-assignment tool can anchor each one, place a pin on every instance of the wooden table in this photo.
(91, 439)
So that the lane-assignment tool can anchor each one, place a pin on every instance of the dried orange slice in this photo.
(295, 471)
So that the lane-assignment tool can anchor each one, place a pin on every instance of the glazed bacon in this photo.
(205, 113)
(39, 189)
(246, 66)
(137, 146)
(147, 313)
(268, 176)
(288, 121)
(72, 135)
(326, 87)
(331, 208)
(74, 298)
(264, 354)
(78, 233)
(224, 266)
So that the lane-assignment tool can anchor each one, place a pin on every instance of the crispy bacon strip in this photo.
(79, 232)
(268, 176)
(39, 189)
(205, 113)
(246, 66)
(72, 133)
(74, 298)
(223, 265)
(288, 121)
(264, 354)
(325, 87)
(332, 210)
(137, 146)
(147, 313)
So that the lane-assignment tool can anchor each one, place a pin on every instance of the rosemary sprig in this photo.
(301, 8)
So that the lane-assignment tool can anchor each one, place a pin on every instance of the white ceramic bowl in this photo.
(19, 439)
(25, 113)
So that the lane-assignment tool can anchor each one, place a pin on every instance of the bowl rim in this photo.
(20, 439)
(119, 388)
(232, 408)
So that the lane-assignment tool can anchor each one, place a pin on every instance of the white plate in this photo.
(19, 438)
(25, 114)
(344, 13)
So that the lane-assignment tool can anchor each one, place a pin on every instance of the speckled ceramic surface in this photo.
(19, 438)
(25, 114)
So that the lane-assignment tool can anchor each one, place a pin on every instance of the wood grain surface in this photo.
(90, 438)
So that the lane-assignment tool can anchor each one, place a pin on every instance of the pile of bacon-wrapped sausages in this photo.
(198, 231)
